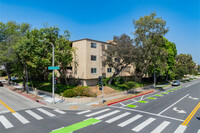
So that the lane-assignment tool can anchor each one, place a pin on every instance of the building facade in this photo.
(90, 57)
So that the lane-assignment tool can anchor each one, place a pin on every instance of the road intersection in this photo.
(174, 110)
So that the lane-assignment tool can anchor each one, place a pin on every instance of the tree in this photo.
(149, 36)
(184, 65)
(64, 55)
(120, 54)
(171, 55)
(10, 33)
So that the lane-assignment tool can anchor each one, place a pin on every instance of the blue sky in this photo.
(102, 19)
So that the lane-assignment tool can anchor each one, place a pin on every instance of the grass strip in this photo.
(164, 93)
(153, 98)
(158, 95)
(170, 91)
(131, 106)
(76, 126)
(143, 101)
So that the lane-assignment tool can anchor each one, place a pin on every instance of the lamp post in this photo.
(53, 89)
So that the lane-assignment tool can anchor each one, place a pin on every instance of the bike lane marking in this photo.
(76, 126)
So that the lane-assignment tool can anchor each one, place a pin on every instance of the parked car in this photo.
(1, 84)
(176, 83)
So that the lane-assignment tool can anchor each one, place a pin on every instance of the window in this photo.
(93, 57)
(93, 45)
(93, 70)
(109, 70)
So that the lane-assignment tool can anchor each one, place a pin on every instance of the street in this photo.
(175, 110)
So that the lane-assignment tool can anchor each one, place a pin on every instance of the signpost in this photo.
(53, 80)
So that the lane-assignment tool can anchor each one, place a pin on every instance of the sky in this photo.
(102, 19)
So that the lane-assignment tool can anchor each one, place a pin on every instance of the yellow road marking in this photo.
(187, 120)
(9, 108)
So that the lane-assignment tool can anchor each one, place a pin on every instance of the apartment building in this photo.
(90, 57)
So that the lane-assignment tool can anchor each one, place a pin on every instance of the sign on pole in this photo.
(53, 68)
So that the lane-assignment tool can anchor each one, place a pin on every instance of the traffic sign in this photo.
(53, 68)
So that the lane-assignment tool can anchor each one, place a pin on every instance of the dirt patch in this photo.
(73, 107)
(121, 98)
(106, 90)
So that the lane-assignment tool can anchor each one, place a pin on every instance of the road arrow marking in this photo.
(179, 111)
(194, 98)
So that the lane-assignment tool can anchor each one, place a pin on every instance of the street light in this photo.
(53, 97)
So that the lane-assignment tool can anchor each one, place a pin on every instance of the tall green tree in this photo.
(64, 55)
(10, 33)
(149, 36)
(121, 54)
(184, 65)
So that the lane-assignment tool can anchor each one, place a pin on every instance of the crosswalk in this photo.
(136, 122)
(36, 114)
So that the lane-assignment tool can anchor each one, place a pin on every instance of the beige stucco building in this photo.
(90, 57)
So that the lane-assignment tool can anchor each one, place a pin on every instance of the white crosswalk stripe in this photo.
(180, 129)
(5, 122)
(83, 112)
(45, 112)
(118, 117)
(143, 124)
(92, 114)
(108, 114)
(36, 116)
(198, 131)
(161, 127)
(59, 111)
(21, 118)
(123, 124)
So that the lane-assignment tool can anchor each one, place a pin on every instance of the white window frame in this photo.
(92, 70)
(109, 70)
(93, 45)
(92, 58)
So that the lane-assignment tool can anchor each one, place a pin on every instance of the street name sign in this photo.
(53, 68)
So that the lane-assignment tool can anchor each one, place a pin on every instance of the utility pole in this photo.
(53, 75)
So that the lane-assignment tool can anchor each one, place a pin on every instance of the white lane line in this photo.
(180, 129)
(198, 131)
(161, 127)
(143, 124)
(83, 112)
(97, 112)
(6, 111)
(59, 111)
(141, 97)
(36, 116)
(5, 122)
(123, 124)
(172, 104)
(121, 104)
(45, 112)
(134, 110)
(108, 114)
(118, 117)
(21, 118)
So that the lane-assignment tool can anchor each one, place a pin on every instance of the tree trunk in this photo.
(154, 75)
(26, 74)
(167, 76)
(7, 72)
(65, 77)
(24, 79)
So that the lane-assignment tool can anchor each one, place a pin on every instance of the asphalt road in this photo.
(175, 111)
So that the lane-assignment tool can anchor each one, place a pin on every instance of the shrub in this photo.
(79, 91)
(69, 93)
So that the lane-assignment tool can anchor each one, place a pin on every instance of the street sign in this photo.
(53, 68)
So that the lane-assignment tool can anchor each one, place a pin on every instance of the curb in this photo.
(38, 101)
(32, 98)
(130, 98)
